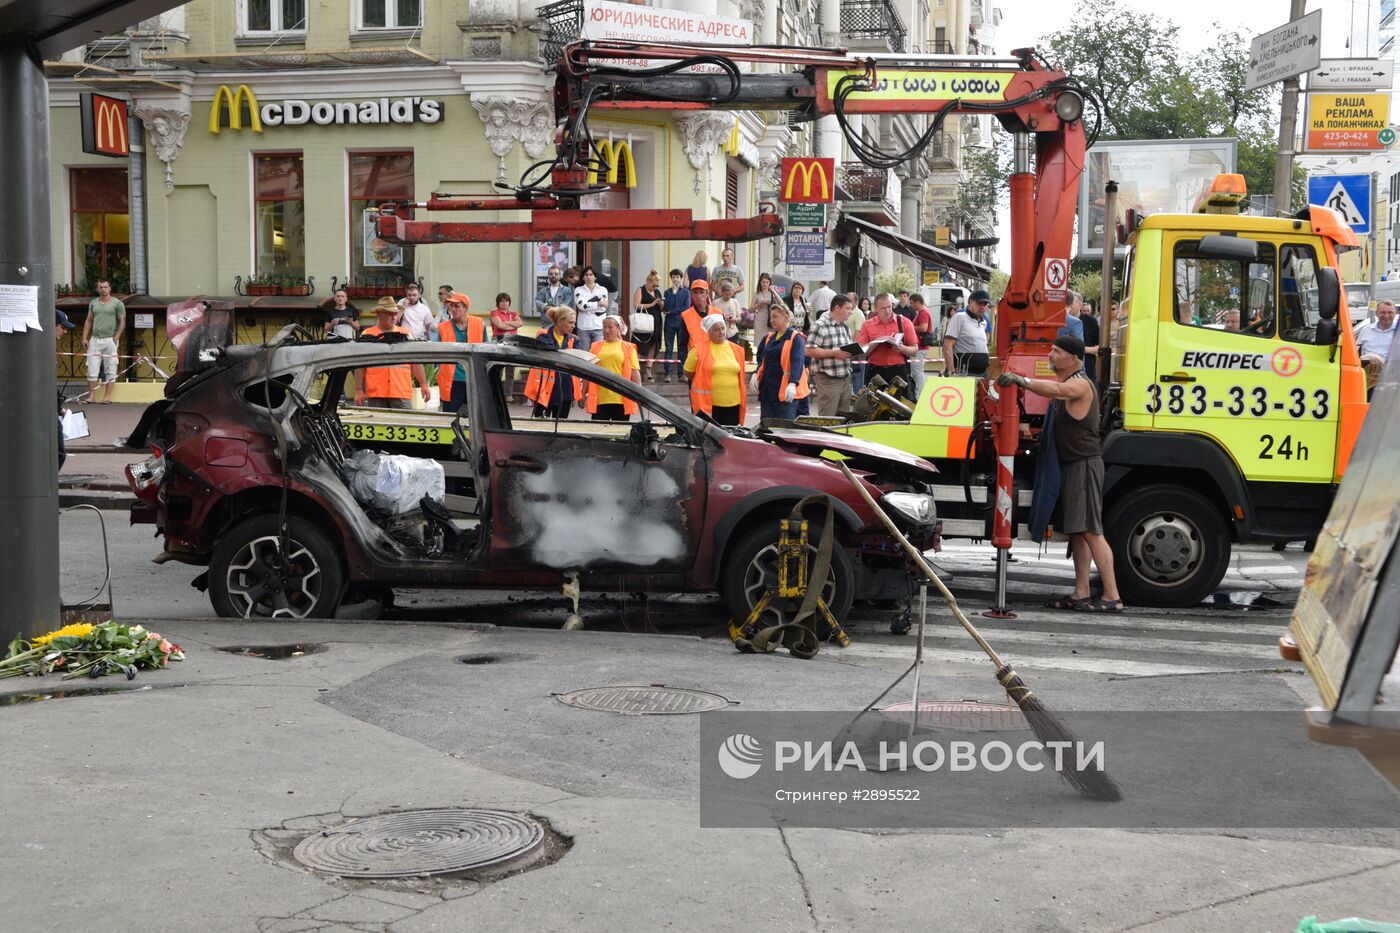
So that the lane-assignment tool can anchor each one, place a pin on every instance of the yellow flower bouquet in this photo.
(92, 650)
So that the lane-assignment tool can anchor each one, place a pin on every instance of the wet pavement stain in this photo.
(275, 652)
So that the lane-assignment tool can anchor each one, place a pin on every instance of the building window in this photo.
(101, 228)
(280, 217)
(390, 14)
(271, 16)
(376, 177)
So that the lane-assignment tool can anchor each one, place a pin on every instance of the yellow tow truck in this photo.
(1235, 398)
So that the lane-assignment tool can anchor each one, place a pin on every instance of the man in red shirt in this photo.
(890, 359)
(923, 327)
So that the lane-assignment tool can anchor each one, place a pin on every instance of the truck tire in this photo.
(1170, 546)
(751, 565)
(246, 581)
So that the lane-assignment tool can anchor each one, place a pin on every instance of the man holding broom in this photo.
(1074, 429)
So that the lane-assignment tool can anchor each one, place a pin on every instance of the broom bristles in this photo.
(1091, 783)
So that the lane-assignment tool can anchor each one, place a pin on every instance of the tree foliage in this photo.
(1149, 88)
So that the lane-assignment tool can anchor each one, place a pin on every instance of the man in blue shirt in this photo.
(675, 343)
(1073, 326)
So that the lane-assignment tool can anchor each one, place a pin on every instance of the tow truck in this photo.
(1211, 435)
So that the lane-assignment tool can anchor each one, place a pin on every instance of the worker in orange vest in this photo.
(699, 307)
(389, 386)
(553, 398)
(716, 370)
(462, 328)
(781, 380)
(618, 356)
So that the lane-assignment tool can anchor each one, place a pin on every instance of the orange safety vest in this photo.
(476, 333)
(702, 389)
(629, 368)
(539, 385)
(693, 326)
(803, 389)
(388, 381)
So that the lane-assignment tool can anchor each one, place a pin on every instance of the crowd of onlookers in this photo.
(702, 326)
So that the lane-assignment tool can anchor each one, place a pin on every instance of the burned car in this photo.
(253, 475)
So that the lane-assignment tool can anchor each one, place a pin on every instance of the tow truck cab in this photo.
(1237, 393)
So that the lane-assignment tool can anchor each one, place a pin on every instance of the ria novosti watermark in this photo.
(741, 755)
(1175, 770)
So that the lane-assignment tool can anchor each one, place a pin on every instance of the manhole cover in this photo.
(275, 652)
(639, 701)
(962, 717)
(421, 842)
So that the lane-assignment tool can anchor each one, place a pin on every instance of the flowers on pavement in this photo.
(91, 650)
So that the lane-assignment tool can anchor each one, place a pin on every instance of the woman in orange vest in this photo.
(553, 398)
(781, 379)
(389, 386)
(462, 328)
(618, 356)
(716, 370)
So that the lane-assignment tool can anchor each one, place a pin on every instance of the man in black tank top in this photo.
(1075, 415)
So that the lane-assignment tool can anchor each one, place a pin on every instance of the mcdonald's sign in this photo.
(104, 125)
(808, 180)
(234, 100)
(614, 164)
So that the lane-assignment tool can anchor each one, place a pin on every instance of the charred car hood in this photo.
(877, 458)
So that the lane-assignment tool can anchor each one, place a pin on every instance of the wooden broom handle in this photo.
(918, 559)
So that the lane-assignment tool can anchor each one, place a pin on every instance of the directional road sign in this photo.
(1353, 74)
(1348, 195)
(1291, 49)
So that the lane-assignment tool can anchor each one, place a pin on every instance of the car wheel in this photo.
(248, 578)
(751, 566)
(1170, 546)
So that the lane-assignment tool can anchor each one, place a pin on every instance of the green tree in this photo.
(1150, 89)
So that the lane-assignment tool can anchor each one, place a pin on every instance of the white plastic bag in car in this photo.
(392, 482)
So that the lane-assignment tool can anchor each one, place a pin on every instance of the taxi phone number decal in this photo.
(1180, 399)
(397, 432)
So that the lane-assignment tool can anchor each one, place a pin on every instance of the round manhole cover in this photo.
(420, 842)
(962, 717)
(640, 701)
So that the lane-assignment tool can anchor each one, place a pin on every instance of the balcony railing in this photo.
(874, 192)
(873, 21)
(563, 23)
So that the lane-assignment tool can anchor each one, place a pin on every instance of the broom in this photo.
(1046, 725)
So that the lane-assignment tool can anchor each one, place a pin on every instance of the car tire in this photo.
(1171, 546)
(751, 564)
(242, 575)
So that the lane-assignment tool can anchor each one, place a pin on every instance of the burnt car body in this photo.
(667, 503)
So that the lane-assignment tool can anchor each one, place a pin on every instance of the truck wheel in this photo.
(1170, 546)
(248, 578)
(752, 565)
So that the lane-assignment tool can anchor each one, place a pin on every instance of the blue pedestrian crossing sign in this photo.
(1348, 195)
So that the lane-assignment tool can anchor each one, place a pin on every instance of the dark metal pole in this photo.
(29, 600)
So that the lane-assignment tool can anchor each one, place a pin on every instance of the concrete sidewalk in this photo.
(162, 809)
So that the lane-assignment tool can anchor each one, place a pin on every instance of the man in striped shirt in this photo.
(831, 374)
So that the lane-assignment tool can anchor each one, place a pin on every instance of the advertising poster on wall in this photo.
(557, 254)
(1154, 177)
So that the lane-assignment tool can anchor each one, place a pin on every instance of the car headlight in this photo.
(916, 506)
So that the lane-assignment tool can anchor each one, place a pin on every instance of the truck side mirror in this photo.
(1233, 248)
(1329, 295)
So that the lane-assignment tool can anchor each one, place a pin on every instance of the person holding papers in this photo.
(889, 342)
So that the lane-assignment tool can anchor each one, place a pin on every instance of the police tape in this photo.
(136, 361)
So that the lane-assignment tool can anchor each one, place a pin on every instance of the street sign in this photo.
(942, 236)
(805, 249)
(1353, 74)
(1348, 195)
(807, 180)
(806, 215)
(1289, 50)
(1056, 279)
(1347, 121)
(930, 276)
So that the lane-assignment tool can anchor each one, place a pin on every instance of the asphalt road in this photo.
(1236, 630)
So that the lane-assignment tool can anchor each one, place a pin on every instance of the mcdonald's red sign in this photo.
(104, 126)
(807, 180)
